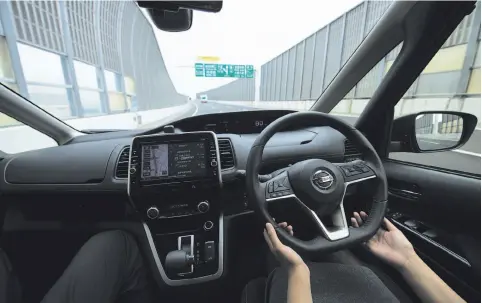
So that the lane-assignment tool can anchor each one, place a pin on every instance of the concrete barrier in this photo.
(17, 139)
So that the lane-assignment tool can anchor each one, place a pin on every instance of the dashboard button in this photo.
(152, 212)
(214, 163)
(208, 225)
(132, 170)
(203, 206)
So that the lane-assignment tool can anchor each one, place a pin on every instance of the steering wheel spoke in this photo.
(278, 188)
(355, 171)
(335, 226)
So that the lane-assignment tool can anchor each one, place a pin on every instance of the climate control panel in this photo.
(177, 210)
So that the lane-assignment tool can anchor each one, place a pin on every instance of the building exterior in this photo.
(83, 58)
(302, 72)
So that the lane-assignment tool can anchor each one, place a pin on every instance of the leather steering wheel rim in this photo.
(257, 192)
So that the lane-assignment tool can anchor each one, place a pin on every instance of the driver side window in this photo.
(450, 82)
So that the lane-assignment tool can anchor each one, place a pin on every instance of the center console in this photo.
(174, 182)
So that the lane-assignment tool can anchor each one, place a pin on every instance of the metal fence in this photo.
(105, 54)
(307, 68)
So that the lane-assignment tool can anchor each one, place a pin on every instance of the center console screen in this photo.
(167, 161)
(173, 160)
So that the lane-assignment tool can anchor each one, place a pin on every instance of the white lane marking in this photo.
(195, 112)
(429, 142)
(466, 152)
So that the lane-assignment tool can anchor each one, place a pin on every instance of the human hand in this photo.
(284, 254)
(390, 245)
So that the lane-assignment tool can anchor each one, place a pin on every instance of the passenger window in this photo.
(451, 81)
(19, 137)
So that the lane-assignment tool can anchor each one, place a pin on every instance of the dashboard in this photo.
(90, 162)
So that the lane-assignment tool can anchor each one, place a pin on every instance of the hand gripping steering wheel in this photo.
(319, 186)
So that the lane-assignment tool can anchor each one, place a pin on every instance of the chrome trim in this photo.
(341, 229)
(359, 180)
(189, 281)
(438, 245)
(179, 247)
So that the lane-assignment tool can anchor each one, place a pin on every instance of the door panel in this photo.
(439, 212)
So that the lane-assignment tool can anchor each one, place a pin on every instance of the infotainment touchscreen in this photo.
(173, 160)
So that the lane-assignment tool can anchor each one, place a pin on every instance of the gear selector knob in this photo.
(177, 260)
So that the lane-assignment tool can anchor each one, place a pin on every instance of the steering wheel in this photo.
(319, 186)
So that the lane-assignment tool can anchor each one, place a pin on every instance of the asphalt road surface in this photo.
(466, 160)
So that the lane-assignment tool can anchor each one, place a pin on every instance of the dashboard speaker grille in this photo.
(122, 166)
(226, 153)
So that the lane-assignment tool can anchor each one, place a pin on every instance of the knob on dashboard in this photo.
(152, 212)
(203, 206)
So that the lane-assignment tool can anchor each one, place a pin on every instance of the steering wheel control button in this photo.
(152, 212)
(208, 225)
(203, 207)
(270, 187)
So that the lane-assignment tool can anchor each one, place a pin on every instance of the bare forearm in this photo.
(426, 284)
(299, 287)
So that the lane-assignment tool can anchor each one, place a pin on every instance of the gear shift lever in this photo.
(177, 260)
(181, 261)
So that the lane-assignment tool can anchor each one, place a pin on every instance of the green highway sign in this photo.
(223, 70)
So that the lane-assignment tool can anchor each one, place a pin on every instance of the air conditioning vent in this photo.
(122, 167)
(226, 153)
(351, 150)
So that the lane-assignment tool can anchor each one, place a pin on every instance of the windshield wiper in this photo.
(99, 131)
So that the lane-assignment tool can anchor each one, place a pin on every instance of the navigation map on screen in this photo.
(181, 160)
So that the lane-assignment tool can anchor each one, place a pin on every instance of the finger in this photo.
(290, 229)
(273, 237)
(389, 225)
(283, 224)
(354, 223)
(358, 218)
(268, 241)
(363, 215)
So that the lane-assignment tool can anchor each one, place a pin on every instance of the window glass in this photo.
(86, 75)
(32, 139)
(117, 102)
(444, 85)
(6, 70)
(110, 80)
(90, 101)
(40, 66)
(130, 85)
(52, 99)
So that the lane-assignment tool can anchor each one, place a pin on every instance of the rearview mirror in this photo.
(431, 131)
(171, 21)
(205, 6)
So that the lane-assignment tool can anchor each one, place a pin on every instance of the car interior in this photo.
(200, 226)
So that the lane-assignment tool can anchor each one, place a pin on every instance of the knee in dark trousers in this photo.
(108, 267)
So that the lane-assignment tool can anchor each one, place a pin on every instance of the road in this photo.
(467, 159)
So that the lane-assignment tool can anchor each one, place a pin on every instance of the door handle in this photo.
(405, 193)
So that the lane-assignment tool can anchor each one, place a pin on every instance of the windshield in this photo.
(103, 65)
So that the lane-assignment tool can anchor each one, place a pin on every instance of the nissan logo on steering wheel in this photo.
(322, 179)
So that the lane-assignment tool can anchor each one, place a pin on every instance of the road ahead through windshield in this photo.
(466, 159)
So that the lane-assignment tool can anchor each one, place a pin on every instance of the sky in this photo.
(244, 32)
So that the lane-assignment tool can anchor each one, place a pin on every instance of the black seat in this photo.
(330, 282)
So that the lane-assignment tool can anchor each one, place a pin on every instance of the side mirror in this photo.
(432, 131)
